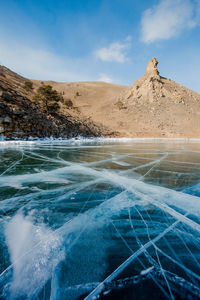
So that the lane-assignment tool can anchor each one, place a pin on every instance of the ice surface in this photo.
(35, 251)
(79, 216)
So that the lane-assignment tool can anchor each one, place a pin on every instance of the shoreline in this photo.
(83, 140)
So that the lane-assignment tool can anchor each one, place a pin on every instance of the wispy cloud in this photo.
(168, 19)
(105, 78)
(115, 52)
(40, 63)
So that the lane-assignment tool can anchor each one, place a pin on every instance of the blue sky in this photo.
(108, 40)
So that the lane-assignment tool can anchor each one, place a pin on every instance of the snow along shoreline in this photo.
(82, 140)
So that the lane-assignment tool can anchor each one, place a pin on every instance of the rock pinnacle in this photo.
(152, 67)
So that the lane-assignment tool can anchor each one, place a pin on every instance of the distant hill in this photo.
(153, 106)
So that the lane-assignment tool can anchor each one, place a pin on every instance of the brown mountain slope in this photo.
(21, 117)
(89, 98)
(153, 106)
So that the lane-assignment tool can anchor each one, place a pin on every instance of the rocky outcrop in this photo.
(152, 69)
(148, 88)
(155, 106)
(151, 87)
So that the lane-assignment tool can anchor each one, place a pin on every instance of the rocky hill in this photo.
(153, 106)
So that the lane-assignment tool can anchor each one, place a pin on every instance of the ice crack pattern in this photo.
(100, 219)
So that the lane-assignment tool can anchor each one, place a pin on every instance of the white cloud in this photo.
(105, 78)
(168, 19)
(34, 63)
(42, 64)
(116, 52)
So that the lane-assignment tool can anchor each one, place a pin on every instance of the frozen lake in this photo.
(115, 219)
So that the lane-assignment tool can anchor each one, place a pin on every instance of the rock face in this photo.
(152, 67)
(20, 118)
(149, 86)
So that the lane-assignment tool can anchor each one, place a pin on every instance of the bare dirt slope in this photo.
(153, 106)
(89, 98)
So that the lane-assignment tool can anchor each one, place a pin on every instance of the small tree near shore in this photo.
(48, 98)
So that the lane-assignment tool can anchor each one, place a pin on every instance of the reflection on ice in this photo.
(93, 219)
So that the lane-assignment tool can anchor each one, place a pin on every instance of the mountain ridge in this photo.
(153, 106)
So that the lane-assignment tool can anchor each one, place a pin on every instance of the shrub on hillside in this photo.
(28, 85)
(68, 103)
(48, 98)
